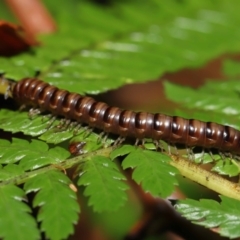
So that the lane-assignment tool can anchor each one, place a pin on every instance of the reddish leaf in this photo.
(12, 40)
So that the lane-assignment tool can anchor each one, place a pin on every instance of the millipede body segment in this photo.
(137, 125)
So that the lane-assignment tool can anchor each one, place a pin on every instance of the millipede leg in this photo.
(76, 129)
(187, 150)
(140, 142)
(176, 150)
(100, 137)
(237, 157)
(136, 142)
(22, 107)
(158, 145)
(202, 156)
(228, 155)
(87, 131)
(61, 124)
(48, 116)
(119, 141)
(33, 112)
(193, 155)
(190, 154)
(64, 124)
(210, 152)
(72, 125)
(105, 137)
(169, 149)
(50, 122)
(223, 157)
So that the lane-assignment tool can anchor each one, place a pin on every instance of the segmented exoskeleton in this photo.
(125, 123)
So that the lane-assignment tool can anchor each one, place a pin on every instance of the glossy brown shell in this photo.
(125, 123)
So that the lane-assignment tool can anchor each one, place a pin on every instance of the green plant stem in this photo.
(69, 163)
(208, 179)
(187, 169)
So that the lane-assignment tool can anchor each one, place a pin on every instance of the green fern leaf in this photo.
(231, 68)
(216, 107)
(91, 141)
(121, 151)
(103, 183)
(207, 158)
(211, 214)
(10, 121)
(203, 100)
(15, 219)
(152, 170)
(31, 155)
(56, 135)
(228, 86)
(227, 167)
(58, 206)
(10, 171)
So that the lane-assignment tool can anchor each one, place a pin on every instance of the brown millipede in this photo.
(125, 123)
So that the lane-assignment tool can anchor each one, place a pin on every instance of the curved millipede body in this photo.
(125, 123)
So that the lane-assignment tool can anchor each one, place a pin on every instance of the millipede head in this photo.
(76, 148)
